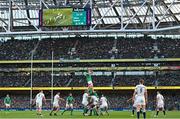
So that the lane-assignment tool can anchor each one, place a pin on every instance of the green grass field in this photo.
(78, 114)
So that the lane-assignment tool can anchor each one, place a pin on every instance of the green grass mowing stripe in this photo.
(78, 115)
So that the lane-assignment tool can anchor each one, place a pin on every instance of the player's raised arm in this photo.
(61, 99)
(130, 99)
(44, 98)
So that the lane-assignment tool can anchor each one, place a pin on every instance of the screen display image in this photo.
(65, 17)
(57, 17)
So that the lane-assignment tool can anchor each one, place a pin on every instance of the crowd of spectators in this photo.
(13, 81)
(17, 49)
(135, 48)
(94, 48)
(90, 48)
(116, 99)
(168, 79)
(71, 80)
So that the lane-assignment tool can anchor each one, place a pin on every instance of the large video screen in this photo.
(65, 17)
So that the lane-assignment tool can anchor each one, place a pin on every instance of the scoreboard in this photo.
(65, 17)
(79, 17)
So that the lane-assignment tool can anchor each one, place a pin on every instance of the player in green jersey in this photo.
(7, 102)
(69, 104)
(89, 78)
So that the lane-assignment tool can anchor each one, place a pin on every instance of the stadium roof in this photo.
(142, 15)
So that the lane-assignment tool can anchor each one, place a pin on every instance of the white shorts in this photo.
(85, 103)
(140, 101)
(90, 83)
(135, 105)
(39, 104)
(7, 105)
(160, 105)
(103, 106)
(55, 104)
(95, 102)
(69, 105)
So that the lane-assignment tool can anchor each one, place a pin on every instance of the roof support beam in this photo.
(27, 11)
(99, 4)
(115, 10)
(3, 21)
(105, 14)
(164, 14)
(98, 12)
(134, 12)
(130, 19)
(91, 31)
(127, 16)
(144, 20)
(155, 14)
(10, 17)
(55, 2)
(172, 14)
(43, 3)
(25, 15)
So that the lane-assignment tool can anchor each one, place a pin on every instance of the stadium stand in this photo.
(44, 79)
(86, 48)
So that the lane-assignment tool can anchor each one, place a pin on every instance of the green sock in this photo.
(63, 111)
(85, 110)
(91, 112)
(101, 111)
(71, 111)
(94, 111)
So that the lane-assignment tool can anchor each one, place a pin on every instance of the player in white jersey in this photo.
(160, 104)
(134, 104)
(103, 105)
(93, 105)
(141, 100)
(85, 102)
(40, 97)
(56, 104)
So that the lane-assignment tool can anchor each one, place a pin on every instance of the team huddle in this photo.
(93, 105)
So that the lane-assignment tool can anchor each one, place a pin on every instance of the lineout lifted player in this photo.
(89, 80)
(92, 105)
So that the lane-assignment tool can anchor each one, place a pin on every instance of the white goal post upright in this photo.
(31, 96)
(52, 78)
